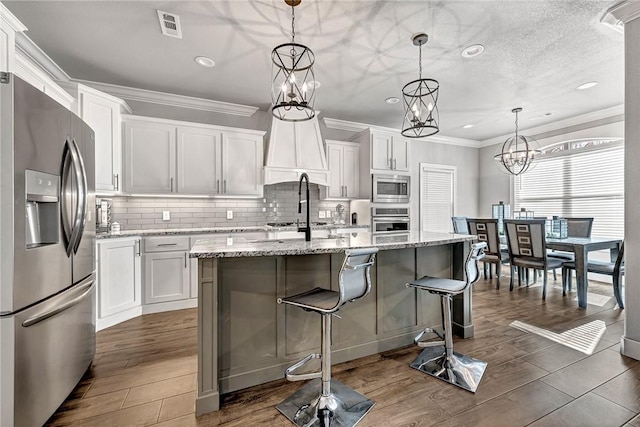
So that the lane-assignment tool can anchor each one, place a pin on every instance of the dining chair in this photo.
(576, 227)
(487, 231)
(527, 249)
(613, 269)
(460, 225)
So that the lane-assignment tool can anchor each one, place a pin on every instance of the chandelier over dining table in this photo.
(518, 153)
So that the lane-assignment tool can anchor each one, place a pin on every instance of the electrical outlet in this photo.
(328, 214)
(322, 214)
(166, 215)
(229, 214)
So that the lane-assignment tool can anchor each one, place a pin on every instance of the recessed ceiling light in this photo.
(467, 126)
(473, 50)
(314, 84)
(587, 85)
(392, 100)
(205, 61)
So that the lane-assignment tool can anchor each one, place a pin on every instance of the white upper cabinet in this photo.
(149, 157)
(344, 164)
(165, 156)
(103, 113)
(242, 164)
(198, 161)
(389, 152)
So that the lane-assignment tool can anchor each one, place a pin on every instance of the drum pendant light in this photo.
(293, 82)
(421, 101)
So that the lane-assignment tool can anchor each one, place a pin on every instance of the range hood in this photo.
(294, 148)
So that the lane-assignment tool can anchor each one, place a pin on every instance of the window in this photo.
(583, 178)
(437, 196)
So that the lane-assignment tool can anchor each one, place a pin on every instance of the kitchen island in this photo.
(245, 338)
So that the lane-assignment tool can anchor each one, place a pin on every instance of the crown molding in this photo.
(560, 124)
(344, 125)
(359, 127)
(617, 15)
(10, 18)
(174, 100)
(39, 58)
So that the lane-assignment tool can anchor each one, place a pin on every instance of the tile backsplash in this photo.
(280, 204)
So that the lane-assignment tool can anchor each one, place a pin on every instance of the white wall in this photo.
(467, 161)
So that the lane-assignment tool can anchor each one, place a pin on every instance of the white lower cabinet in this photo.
(119, 281)
(166, 273)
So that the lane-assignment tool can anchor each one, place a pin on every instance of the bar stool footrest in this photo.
(460, 370)
(430, 342)
(291, 376)
(348, 406)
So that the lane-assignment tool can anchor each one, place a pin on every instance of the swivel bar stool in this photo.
(323, 402)
(438, 358)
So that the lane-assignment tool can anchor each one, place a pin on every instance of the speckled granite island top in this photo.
(235, 248)
(206, 230)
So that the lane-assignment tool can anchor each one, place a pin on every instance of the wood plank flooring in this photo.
(144, 373)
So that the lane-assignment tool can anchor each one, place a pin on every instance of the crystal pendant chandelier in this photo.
(518, 153)
(293, 83)
(421, 101)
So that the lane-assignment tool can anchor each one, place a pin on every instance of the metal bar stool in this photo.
(438, 358)
(323, 402)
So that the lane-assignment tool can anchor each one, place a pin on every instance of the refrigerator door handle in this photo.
(85, 287)
(83, 197)
(67, 199)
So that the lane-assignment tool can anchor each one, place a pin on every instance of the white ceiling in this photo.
(536, 53)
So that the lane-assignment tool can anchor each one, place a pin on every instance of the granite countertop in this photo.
(205, 230)
(239, 247)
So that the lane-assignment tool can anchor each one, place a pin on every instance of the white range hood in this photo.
(294, 148)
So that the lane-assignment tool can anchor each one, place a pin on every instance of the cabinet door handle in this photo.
(346, 191)
(116, 179)
(395, 164)
(171, 184)
(225, 186)
(167, 244)
(185, 260)
(218, 186)
(390, 162)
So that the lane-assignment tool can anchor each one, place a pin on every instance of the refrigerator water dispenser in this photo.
(42, 209)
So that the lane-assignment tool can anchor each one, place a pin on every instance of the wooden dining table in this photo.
(581, 247)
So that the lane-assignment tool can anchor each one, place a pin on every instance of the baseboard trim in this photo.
(159, 307)
(114, 319)
(630, 348)
(207, 403)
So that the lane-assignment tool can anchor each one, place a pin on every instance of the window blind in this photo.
(437, 198)
(580, 183)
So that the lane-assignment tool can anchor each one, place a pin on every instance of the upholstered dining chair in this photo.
(527, 249)
(487, 231)
(460, 224)
(613, 269)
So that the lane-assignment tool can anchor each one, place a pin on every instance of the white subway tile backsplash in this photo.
(280, 203)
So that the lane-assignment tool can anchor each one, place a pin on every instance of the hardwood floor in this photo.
(144, 373)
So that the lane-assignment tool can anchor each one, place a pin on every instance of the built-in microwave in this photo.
(390, 220)
(390, 188)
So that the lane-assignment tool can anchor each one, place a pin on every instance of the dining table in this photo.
(581, 246)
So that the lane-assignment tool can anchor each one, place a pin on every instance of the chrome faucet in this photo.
(307, 228)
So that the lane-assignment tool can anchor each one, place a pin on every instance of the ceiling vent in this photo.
(170, 24)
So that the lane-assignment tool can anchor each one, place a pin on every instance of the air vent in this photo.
(170, 24)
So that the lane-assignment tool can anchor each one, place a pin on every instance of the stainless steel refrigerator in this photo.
(47, 253)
